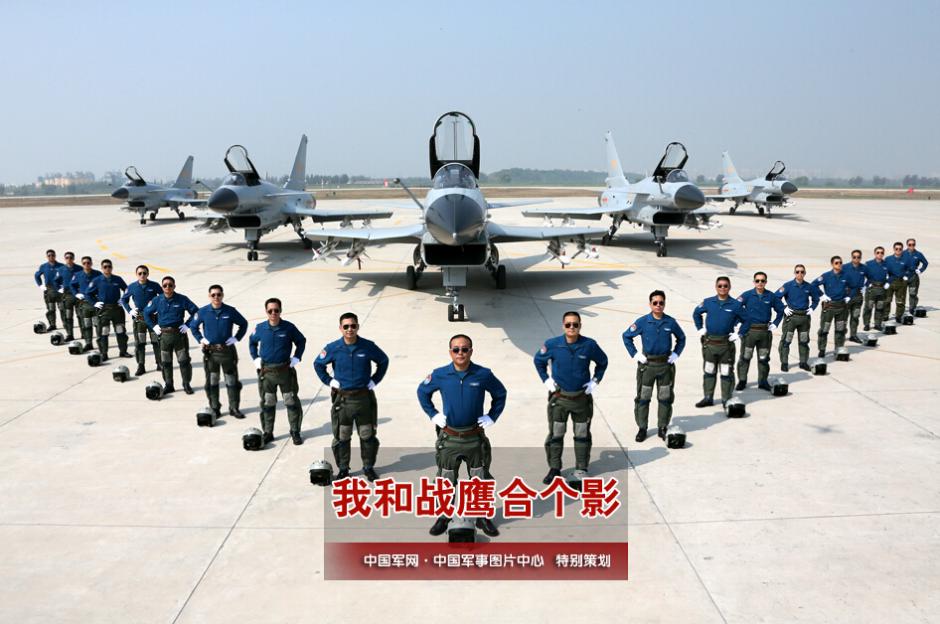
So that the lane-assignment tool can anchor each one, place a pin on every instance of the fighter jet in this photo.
(455, 232)
(666, 198)
(772, 190)
(246, 202)
(143, 197)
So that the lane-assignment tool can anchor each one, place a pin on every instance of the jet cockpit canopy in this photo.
(134, 178)
(454, 175)
(672, 162)
(776, 172)
(243, 170)
(455, 140)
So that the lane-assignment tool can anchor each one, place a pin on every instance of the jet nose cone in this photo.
(455, 219)
(120, 193)
(789, 188)
(223, 200)
(689, 197)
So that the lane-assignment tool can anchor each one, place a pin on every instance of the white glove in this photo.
(788, 311)
(371, 385)
(334, 384)
(590, 386)
(918, 271)
(231, 340)
(157, 329)
(864, 288)
(771, 328)
(825, 299)
(639, 358)
(485, 421)
(258, 363)
(184, 329)
(80, 296)
(734, 337)
(204, 341)
(672, 358)
(439, 419)
(701, 332)
(847, 299)
(904, 277)
(43, 287)
(550, 384)
(99, 305)
(61, 291)
(294, 362)
(135, 312)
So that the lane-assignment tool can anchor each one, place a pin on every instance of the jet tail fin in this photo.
(298, 175)
(185, 179)
(615, 177)
(727, 169)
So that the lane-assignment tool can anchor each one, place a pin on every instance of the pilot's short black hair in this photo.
(274, 300)
(50, 251)
(834, 258)
(570, 313)
(658, 292)
(168, 277)
(723, 278)
(760, 273)
(106, 261)
(214, 286)
(346, 315)
(456, 336)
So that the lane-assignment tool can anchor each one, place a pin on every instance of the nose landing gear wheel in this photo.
(143, 221)
(660, 249)
(412, 276)
(153, 216)
(181, 215)
(252, 255)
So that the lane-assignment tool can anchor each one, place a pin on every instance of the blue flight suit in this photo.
(836, 287)
(758, 309)
(87, 315)
(104, 293)
(217, 326)
(918, 263)
(273, 345)
(47, 276)
(659, 338)
(463, 394)
(900, 269)
(801, 298)
(67, 299)
(135, 300)
(169, 315)
(721, 316)
(571, 372)
(353, 403)
(855, 276)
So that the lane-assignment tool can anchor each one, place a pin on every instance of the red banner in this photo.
(481, 561)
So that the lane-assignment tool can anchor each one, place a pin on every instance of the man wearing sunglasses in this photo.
(67, 300)
(570, 387)
(801, 298)
(352, 392)
(270, 346)
(876, 293)
(87, 315)
(135, 299)
(759, 306)
(900, 269)
(718, 336)
(104, 293)
(662, 341)
(165, 316)
(856, 275)
(47, 279)
(463, 386)
(213, 326)
(835, 298)
(918, 264)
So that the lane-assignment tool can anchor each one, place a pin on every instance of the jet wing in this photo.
(320, 216)
(517, 233)
(404, 234)
(513, 204)
(183, 201)
(575, 213)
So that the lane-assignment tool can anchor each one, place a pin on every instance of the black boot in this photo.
(167, 389)
(805, 366)
(855, 339)
(486, 525)
(705, 402)
(662, 433)
(763, 385)
(342, 474)
(295, 436)
(268, 438)
(370, 473)
(440, 525)
(234, 411)
(552, 473)
(867, 327)
(742, 384)
(188, 389)
(640, 434)
(784, 367)
(140, 370)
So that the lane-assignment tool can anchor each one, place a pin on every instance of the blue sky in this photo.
(833, 88)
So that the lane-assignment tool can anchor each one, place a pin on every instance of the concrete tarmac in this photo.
(821, 506)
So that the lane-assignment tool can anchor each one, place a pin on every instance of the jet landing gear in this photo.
(414, 271)
(455, 278)
(153, 216)
(497, 270)
(180, 214)
(252, 251)
(660, 247)
(609, 236)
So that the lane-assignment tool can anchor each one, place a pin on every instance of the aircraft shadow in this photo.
(789, 216)
(714, 251)
(274, 256)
